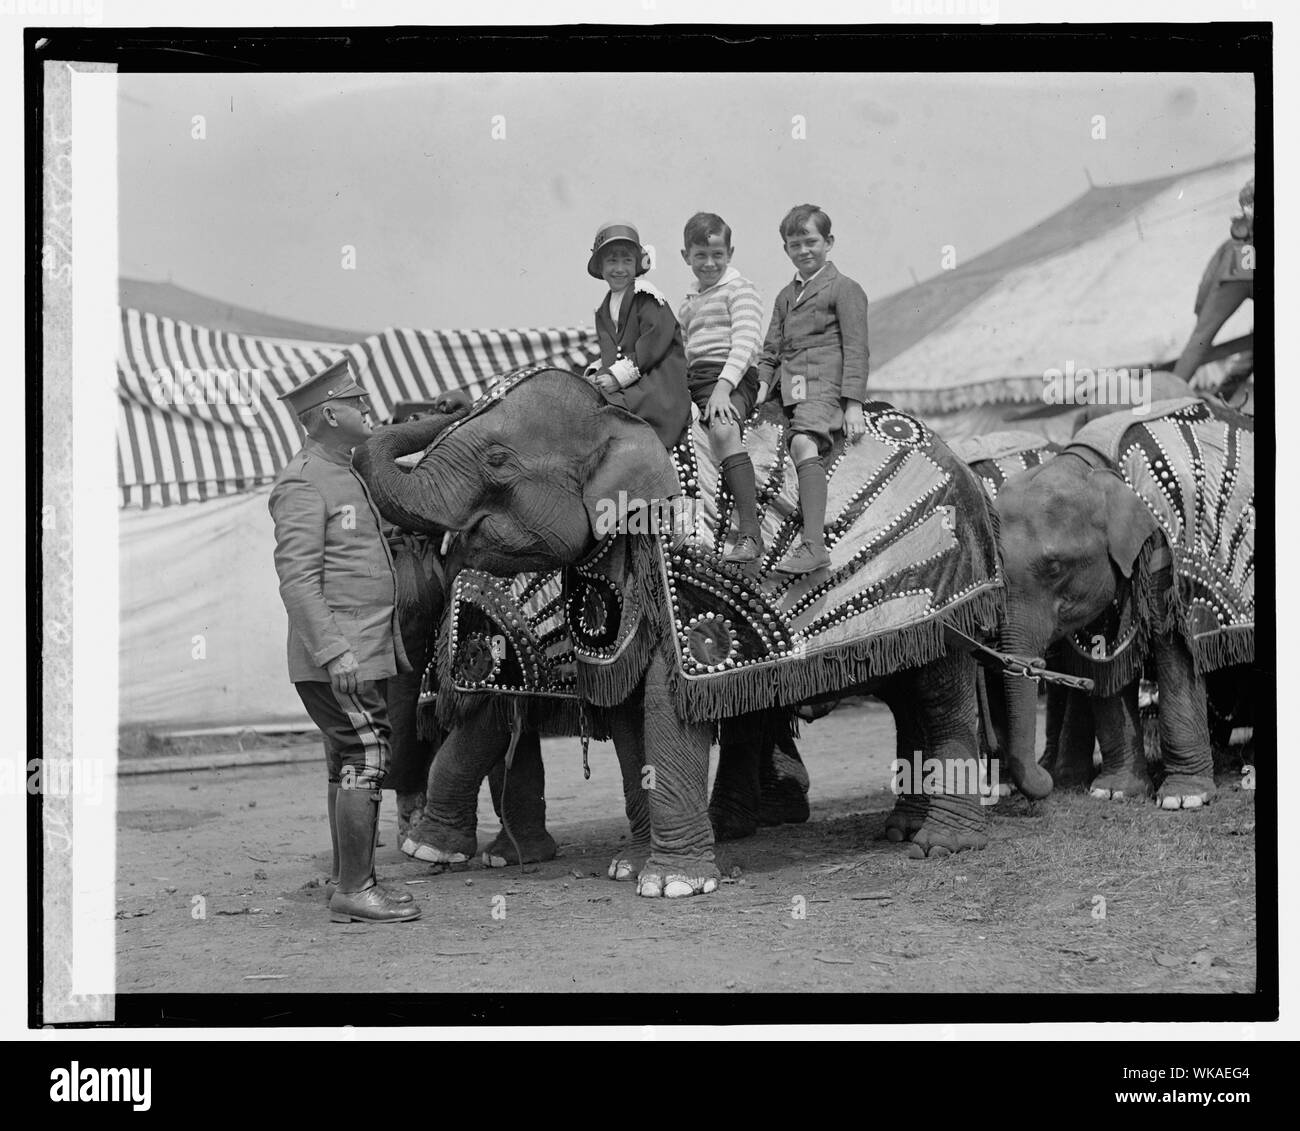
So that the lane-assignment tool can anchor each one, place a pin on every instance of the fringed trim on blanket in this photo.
(549, 716)
(1222, 649)
(789, 680)
(1109, 677)
(607, 685)
(1000, 390)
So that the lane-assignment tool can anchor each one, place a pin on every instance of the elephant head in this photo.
(1070, 534)
(529, 479)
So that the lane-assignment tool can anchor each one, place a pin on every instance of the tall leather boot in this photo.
(331, 885)
(331, 802)
(359, 898)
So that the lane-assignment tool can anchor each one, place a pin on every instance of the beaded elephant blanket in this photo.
(997, 456)
(912, 548)
(1193, 465)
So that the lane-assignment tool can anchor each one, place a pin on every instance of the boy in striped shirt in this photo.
(722, 323)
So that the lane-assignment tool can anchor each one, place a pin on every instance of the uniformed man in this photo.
(338, 586)
(1228, 281)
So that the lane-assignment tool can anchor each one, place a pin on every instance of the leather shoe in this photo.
(371, 905)
(331, 886)
(748, 549)
(805, 559)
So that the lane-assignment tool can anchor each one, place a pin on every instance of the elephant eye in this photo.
(498, 457)
(1051, 568)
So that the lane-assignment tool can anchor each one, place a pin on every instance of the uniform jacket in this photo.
(1227, 265)
(820, 335)
(648, 334)
(336, 569)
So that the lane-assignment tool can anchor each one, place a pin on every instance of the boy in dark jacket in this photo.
(816, 348)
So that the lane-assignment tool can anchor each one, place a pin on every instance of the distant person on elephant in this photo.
(339, 590)
(642, 365)
(1228, 281)
(722, 319)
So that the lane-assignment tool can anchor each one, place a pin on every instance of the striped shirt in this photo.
(723, 324)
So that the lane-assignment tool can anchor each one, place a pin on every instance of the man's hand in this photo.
(606, 382)
(855, 427)
(343, 673)
(720, 410)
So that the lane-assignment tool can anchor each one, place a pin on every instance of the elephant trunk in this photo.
(1021, 696)
(411, 502)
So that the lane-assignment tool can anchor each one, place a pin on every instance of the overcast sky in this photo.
(454, 227)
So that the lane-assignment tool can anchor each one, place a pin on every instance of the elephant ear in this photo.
(630, 468)
(1128, 522)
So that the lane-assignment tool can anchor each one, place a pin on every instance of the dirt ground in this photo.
(219, 875)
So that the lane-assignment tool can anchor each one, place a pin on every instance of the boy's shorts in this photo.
(822, 419)
(702, 377)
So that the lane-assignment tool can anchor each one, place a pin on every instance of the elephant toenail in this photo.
(1170, 803)
(1193, 802)
(710, 885)
(1117, 795)
(675, 889)
(1101, 794)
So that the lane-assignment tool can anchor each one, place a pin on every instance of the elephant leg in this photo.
(1123, 760)
(446, 831)
(408, 769)
(519, 798)
(737, 791)
(1184, 732)
(677, 764)
(1069, 755)
(625, 727)
(782, 779)
(911, 804)
(944, 698)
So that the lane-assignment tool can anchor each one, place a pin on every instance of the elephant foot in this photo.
(674, 885)
(629, 862)
(1185, 791)
(953, 824)
(1034, 781)
(534, 847)
(784, 798)
(731, 824)
(1120, 786)
(907, 817)
(438, 844)
(677, 878)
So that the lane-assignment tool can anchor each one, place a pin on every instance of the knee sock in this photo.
(738, 471)
(812, 500)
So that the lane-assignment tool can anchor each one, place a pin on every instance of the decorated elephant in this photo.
(595, 610)
(1136, 543)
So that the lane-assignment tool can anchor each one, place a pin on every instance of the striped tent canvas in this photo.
(199, 414)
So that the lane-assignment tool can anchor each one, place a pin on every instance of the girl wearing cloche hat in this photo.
(642, 363)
